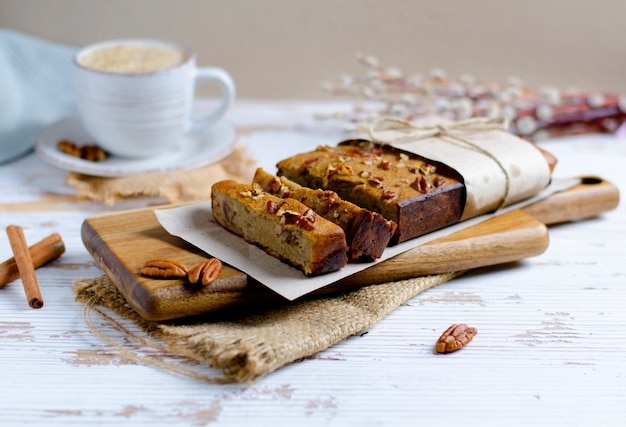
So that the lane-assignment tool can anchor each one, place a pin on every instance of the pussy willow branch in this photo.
(535, 114)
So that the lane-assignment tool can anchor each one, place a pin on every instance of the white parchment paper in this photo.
(194, 223)
(498, 168)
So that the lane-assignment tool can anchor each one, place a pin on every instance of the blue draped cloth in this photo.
(35, 90)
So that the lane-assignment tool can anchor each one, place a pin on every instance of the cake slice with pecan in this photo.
(367, 233)
(284, 228)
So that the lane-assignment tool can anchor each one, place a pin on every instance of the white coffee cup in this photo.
(135, 97)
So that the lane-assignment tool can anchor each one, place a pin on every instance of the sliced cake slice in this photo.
(284, 228)
(418, 195)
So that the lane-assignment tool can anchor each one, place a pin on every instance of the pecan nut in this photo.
(90, 152)
(385, 165)
(93, 153)
(454, 338)
(420, 184)
(163, 268)
(388, 195)
(68, 147)
(206, 272)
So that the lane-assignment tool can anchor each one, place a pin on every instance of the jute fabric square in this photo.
(246, 347)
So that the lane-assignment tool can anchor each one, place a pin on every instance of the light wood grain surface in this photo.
(549, 351)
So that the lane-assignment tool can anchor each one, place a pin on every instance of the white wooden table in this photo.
(551, 346)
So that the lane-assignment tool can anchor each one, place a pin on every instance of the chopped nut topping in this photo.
(385, 165)
(389, 195)
(256, 189)
(343, 169)
(271, 207)
(282, 211)
(427, 169)
(274, 185)
(310, 162)
(256, 193)
(305, 224)
(310, 215)
(375, 182)
(329, 203)
(305, 221)
(420, 184)
(283, 191)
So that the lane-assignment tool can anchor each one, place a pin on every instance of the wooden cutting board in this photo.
(122, 242)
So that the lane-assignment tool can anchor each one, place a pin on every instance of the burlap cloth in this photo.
(239, 348)
(246, 347)
(174, 186)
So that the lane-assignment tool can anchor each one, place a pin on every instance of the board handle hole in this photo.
(590, 180)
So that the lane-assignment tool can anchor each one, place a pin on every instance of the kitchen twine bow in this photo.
(412, 132)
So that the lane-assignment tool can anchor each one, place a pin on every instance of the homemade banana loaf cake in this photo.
(284, 228)
(416, 194)
(367, 233)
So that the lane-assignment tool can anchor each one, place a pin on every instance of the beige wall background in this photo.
(287, 48)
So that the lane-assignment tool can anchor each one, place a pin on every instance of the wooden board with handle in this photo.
(122, 242)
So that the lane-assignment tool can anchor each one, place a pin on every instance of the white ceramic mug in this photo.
(135, 97)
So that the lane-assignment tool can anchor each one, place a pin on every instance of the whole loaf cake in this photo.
(416, 194)
(284, 228)
(367, 233)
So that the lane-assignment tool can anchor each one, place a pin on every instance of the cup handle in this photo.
(220, 76)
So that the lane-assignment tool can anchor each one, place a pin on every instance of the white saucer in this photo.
(195, 149)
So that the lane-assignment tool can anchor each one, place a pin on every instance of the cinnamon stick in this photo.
(42, 253)
(25, 265)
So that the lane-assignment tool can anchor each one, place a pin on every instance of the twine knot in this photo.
(412, 131)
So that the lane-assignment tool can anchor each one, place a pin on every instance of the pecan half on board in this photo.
(206, 272)
(163, 269)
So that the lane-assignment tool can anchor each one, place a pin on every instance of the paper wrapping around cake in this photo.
(497, 167)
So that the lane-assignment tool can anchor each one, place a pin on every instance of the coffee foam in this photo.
(133, 58)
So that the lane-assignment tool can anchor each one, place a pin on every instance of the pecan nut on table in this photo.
(454, 338)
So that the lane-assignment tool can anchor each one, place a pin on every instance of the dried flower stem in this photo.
(533, 114)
